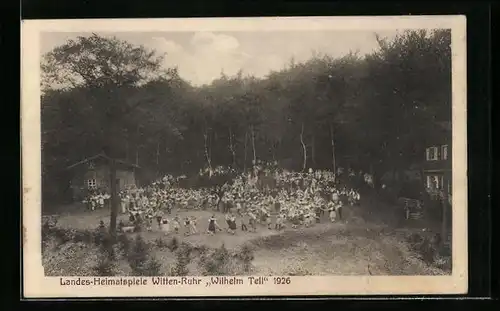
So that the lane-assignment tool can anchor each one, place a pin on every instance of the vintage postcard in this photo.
(244, 157)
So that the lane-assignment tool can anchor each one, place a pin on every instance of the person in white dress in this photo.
(165, 225)
(101, 200)
(124, 203)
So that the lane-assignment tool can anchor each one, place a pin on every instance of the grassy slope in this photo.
(365, 243)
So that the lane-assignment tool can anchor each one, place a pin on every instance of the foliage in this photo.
(138, 255)
(153, 267)
(215, 262)
(105, 266)
(131, 108)
(97, 61)
(124, 243)
(141, 260)
(430, 249)
(161, 243)
(183, 258)
(173, 244)
(246, 256)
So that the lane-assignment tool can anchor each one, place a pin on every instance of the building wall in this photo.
(127, 178)
(440, 163)
(440, 168)
(100, 174)
(79, 182)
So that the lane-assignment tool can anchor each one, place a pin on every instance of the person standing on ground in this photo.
(338, 210)
(165, 226)
(212, 225)
(192, 227)
(232, 224)
(101, 200)
(252, 220)
(332, 211)
(159, 218)
(149, 220)
(279, 221)
(187, 224)
(228, 221)
(176, 223)
(244, 221)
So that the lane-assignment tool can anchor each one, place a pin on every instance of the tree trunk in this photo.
(313, 153)
(138, 131)
(210, 145)
(376, 176)
(114, 198)
(157, 154)
(207, 153)
(245, 154)
(304, 148)
(334, 165)
(231, 148)
(253, 146)
(127, 151)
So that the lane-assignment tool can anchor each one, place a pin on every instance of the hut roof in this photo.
(103, 156)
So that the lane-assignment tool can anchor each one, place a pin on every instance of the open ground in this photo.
(357, 245)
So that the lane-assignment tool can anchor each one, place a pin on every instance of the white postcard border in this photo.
(36, 285)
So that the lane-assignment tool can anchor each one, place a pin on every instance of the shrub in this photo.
(120, 226)
(45, 245)
(63, 236)
(108, 242)
(106, 266)
(110, 248)
(152, 268)
(160, 243)
(71, 259)
(246, 256)
(84, 236)
(137, 227)
(139, 259)
(124, 243)
(173, 245)
(199, 250)
(215, 262)
(426, 248)
(138, 255)
(183, 258)
(444, 263)
(47, 230)
(101, 234)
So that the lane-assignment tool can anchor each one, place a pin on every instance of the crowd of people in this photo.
(264, 194)
(96, 199)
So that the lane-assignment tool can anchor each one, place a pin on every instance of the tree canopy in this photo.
(372, 112)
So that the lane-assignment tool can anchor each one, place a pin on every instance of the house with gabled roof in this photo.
(94, 173)
(437, 168)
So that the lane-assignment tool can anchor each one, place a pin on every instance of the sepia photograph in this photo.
(244, 156)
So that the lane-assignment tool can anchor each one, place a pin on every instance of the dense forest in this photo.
(372, 112)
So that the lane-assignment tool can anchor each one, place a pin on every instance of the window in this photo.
(431, 153)
(434, 182)
(91, 183)
(444, 152)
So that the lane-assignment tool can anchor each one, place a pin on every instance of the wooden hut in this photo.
(94, 173)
